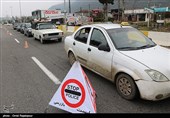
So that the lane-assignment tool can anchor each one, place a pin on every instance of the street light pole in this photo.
(64, 12)
(20, 9)
(11, 11)
(118, 10)
(69, 6)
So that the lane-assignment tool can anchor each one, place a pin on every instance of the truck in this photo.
(42, 28)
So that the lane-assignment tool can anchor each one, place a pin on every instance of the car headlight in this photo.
(156, 75)
(29, 30)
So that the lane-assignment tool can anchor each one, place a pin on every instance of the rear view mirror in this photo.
(104, 48)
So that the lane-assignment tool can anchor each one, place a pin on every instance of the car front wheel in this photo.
(60, 39)
(126, 87)
(72, 58)
(41, 40)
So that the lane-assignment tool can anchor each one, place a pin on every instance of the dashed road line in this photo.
(46, 71)
(17, 41)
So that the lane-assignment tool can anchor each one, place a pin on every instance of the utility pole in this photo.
(118, 10)
(148, 14)
(20, 9)
(81, 11)
(11, 11)
(123, 9)
(64, 12)
(69, 6)
(89, 10)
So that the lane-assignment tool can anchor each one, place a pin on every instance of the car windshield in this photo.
(129, 39)
(28, 25)
(46, 26)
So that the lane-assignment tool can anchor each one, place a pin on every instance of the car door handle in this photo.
(89, 49)
(74, 43)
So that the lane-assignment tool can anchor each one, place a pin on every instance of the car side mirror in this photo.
(150, 39)
(77, 38)
(36, 28)
(103, 47)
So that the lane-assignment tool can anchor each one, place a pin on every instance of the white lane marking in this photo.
(17, 41)
(46, 71)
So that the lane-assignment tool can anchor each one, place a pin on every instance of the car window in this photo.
(129, 39)
(77, 34)
(82, 35)
(97, 38)
(46, 26)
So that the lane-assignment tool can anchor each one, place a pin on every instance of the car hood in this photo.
(29, 28)
(157, 58)
(47, 31)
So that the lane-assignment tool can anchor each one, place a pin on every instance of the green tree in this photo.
(105, 3)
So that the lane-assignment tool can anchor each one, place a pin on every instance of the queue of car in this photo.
(121, 54)
(42, 31)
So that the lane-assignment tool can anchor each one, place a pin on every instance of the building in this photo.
(159, 15)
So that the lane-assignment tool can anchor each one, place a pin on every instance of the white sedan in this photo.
(124, 56)
(47, 31)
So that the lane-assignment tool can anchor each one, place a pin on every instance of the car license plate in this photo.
(53, 38)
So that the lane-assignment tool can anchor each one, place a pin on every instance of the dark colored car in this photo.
(15, 26)
(22, 27)
(18, 27)
(27, 29)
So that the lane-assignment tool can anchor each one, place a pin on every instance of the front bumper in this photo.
(52, 38)
(151, 90)
(29, 33)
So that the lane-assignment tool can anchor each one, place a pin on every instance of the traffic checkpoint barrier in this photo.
(65, 28)
(75, 94)
(145, 33)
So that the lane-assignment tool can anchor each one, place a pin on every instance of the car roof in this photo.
(111, 26)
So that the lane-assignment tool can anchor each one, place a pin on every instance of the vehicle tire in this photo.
(35, 38)
(126, 87)
(72, 58)
(28, 34)
(60, 40)
(41, 40)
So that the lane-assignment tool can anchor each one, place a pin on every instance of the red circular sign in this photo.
(73, 105)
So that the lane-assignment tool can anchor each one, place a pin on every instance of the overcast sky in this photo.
(12, 7)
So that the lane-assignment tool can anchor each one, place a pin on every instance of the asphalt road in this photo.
(25, 88)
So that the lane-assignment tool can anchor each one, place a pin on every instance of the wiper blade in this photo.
(146, 46)
(127, 48)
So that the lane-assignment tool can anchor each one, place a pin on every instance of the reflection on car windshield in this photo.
(129, 39)
(46, 26)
